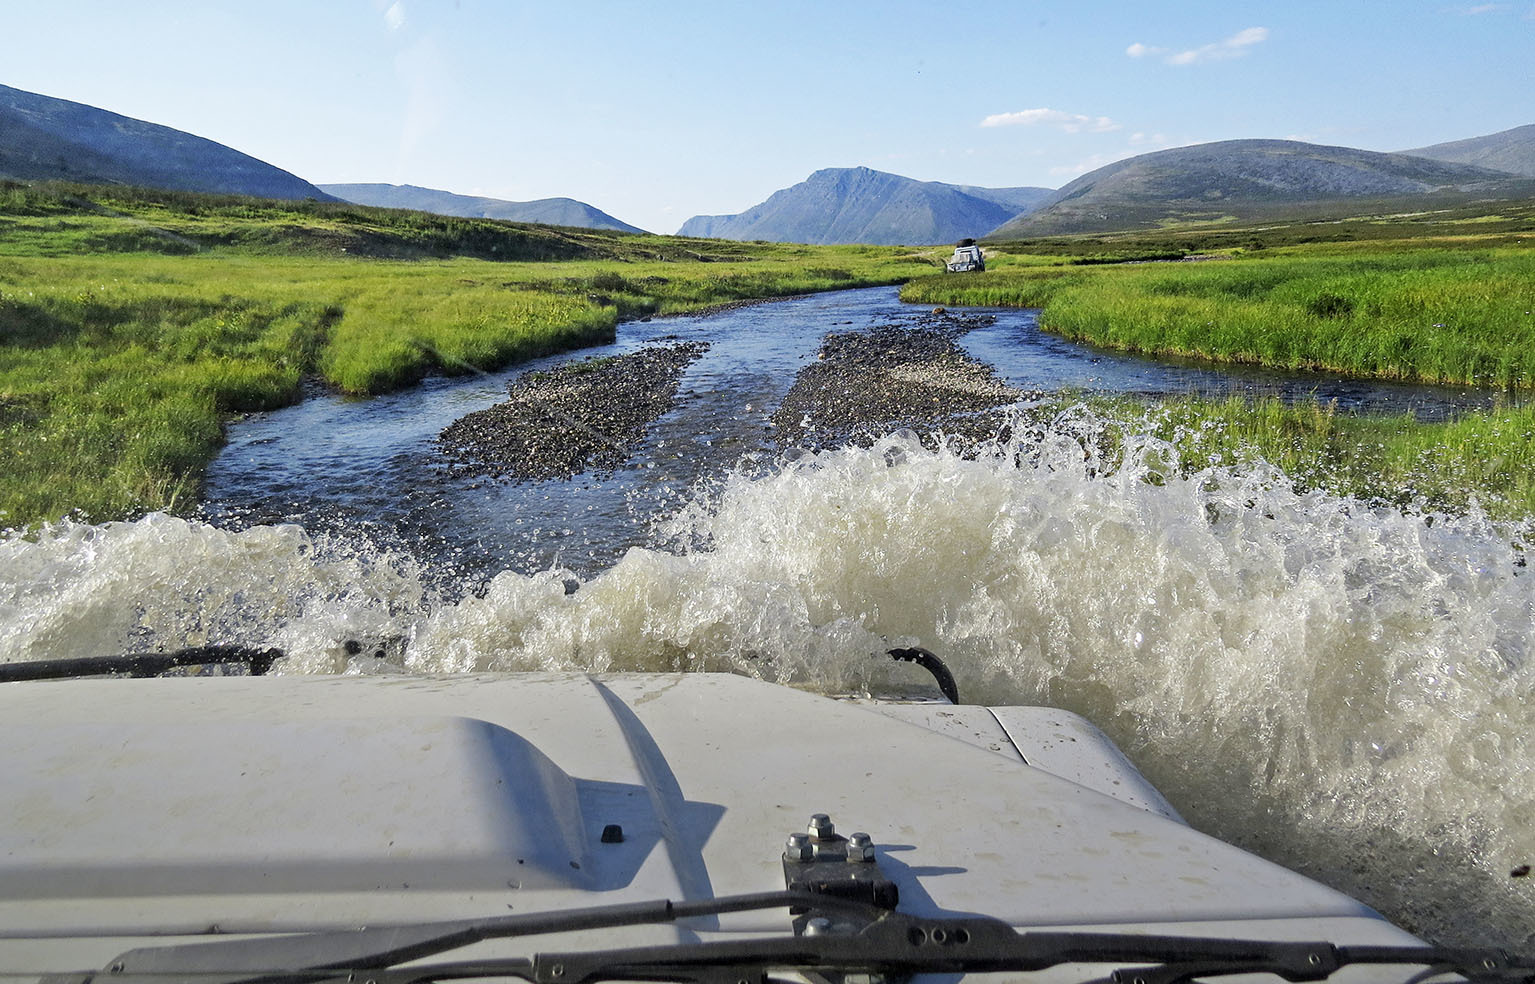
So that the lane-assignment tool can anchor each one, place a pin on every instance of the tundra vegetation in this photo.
(1447, 297)
(135, 323)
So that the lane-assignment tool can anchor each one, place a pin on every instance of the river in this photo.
(370, 466)
(1344, 688)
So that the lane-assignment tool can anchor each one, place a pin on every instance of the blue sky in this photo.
(658, 111)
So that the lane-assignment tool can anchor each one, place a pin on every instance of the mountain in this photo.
(1245, 180)
(43, 139)
(859, 205)
(547, 211)
(1511, 150)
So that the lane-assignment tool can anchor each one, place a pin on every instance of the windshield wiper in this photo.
(314, 956)
(897, 946)
(846, 937)
(845, 923)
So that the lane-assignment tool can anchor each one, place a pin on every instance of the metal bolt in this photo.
(818, 926)
(820, 826)
(860, 847)
(799, 847)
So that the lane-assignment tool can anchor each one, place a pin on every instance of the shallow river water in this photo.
(331, 463)
(1344, 688)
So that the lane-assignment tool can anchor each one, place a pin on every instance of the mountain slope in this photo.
(547, 211)
(860, 205)
(43, 138)
(1242, 179)
(1510, 150)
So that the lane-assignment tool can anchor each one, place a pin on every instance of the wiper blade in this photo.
(871, 941)
(898, 945)
(311, 956)
(256, 661)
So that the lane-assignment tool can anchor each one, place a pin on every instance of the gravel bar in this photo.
(890, 377)
(574, 418)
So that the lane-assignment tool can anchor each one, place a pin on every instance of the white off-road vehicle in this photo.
(565, 828)
(967, 258)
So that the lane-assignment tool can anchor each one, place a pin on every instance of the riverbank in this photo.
(135, 324)
(1443, 310)
(1479, 462)
(1431, 314)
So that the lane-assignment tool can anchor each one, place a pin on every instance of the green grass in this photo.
(1443, 298)
(133, 323)
(1459, 316)
(1482, 458)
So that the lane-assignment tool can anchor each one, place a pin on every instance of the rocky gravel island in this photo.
(578, 417)
(591, 416)
(915, 376)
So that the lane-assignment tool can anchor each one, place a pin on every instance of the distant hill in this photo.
(1243, 179)
(1511, 150)
(43, 139)
(859, 205)
(548, 211)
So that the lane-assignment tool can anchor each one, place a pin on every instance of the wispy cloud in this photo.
(1070, 122)
(1481, 8)
(1233, 47)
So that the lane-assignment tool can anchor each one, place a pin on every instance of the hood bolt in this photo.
(799, 847)
(820, 826)
(860, 847)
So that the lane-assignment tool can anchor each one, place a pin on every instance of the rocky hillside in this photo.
(1511, 150)
(859, 205)
(547, 211)
(1243, 179)
(42, 139)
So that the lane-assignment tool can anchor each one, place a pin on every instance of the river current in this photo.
(1345, 688)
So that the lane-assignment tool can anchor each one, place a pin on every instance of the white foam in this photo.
(1345, 688)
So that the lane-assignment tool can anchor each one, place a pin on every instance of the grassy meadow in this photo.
(1479, 460)
(1447, 300)
(1455, 310)
(1456, 316)
(134, 323)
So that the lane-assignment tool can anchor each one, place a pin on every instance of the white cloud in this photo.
(1233, 47)
(1484, 8)
(1070, 122)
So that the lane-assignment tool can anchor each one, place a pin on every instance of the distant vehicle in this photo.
(967, 258)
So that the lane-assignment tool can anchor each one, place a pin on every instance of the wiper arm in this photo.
(893, 944)
(897, 945)
(312, 956)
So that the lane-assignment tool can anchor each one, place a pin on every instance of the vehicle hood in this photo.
(295, 803)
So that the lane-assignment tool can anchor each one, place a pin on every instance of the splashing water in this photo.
(1344, 688)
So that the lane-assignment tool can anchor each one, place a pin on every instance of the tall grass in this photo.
(1482, 459)
(133, 323)
(1431, 315)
